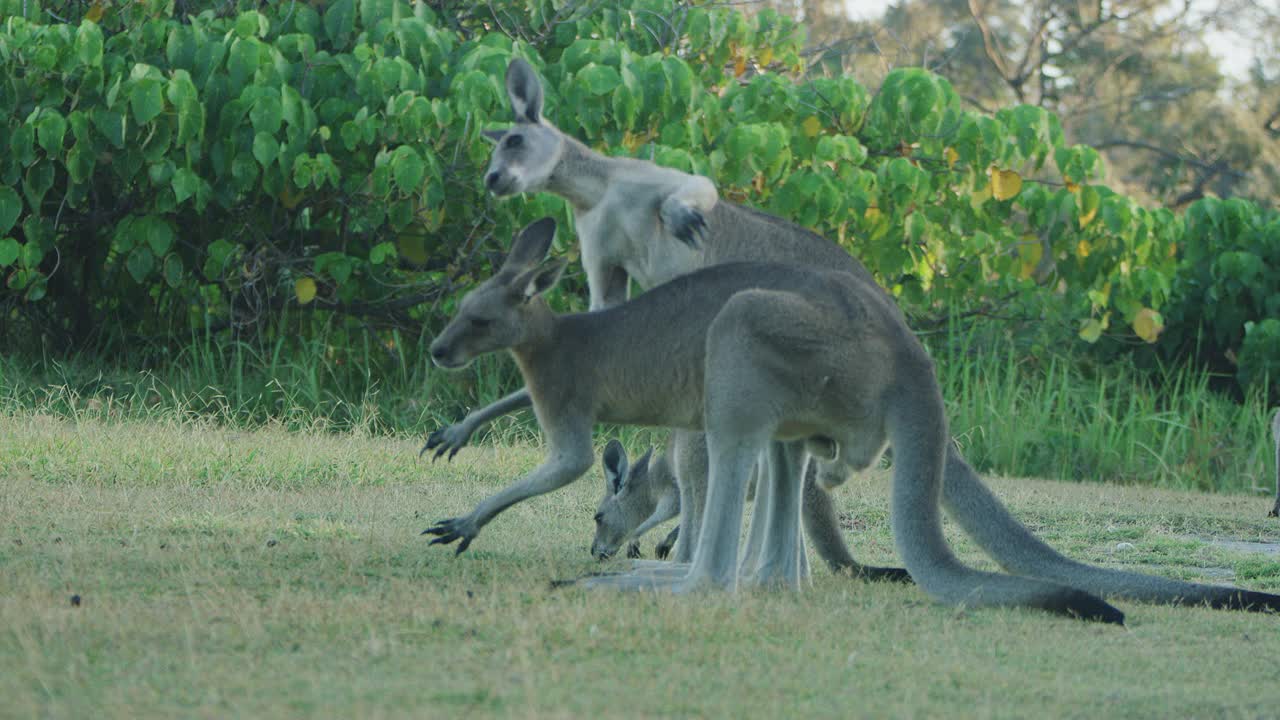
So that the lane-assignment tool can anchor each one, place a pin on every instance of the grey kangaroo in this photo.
(821, 361)
(637, 497)
(1275, 438)
(637, 220)
(641, 495)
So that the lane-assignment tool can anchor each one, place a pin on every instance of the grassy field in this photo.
(280, 574)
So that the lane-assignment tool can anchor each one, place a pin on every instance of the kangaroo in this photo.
(640, 221)
(642, 495)
(816, 360)
(637, 497)
(1275, 438)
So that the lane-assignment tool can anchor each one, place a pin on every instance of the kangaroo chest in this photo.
(628, 233)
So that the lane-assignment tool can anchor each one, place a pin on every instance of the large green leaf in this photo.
(10, 209)
(339, 22)
(265, 148)
(89, 43)
(9, 250)
(185, 184)
(408, 168)
(267, 114)
(50, 129)
(146, 99)
(599, 79)
(140, 263)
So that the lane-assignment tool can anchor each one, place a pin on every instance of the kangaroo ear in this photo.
(642, 464)
(493, 136)
(525, 91)
(531, 245)
(542, 279)
(614, 461)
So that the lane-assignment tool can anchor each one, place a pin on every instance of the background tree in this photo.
(1133, 78)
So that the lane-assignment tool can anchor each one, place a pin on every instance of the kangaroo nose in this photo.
(438, 352)
(491, 180)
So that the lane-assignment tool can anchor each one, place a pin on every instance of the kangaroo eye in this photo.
(599, 518)
(514, 141)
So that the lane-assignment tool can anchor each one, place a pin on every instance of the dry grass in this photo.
(278, 574)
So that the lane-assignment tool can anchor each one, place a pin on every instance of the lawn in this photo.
(172, 567)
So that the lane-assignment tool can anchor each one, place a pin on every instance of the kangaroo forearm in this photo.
(664, 512)
(504, 406)
(544, 479)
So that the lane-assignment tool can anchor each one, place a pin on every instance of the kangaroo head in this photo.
(495, 316)
(626, 501)
(527, 153)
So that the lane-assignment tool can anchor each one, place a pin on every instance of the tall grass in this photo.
(1064, 418)
(1013, 413)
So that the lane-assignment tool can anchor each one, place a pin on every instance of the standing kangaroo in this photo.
(644, 222)
(1275, 438)
(627, 213)
(639, 496)
(750, 353)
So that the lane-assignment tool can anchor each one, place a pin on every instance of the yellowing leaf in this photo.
(766, 56)
(872, 214)
(811, 126)
(1072, 187)
(1005, 184)
(1029, 251)
(1083, 248)
(412, 248)
(952, 157)
(1089, 202)
(1148, 324)
(980, 196)
(305, 289)
(1091, 331)
(95, 12)
(739, 65)
(289, 197)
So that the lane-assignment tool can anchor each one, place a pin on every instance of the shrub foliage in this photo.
(276, 168)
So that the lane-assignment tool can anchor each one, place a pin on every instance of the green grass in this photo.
(275, 573)
(1057, 417)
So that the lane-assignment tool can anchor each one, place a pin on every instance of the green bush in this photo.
(1226, 307)
(186, 171)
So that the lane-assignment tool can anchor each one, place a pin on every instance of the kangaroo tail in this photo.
(918, 433)
(1012, 545)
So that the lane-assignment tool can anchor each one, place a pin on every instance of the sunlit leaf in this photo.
(811, 126)
(1005, 184)
(305, 290)
(1091, 331)
(1148, 324)
(1089, 201)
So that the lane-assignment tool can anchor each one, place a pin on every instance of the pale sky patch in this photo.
(1234, 52)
